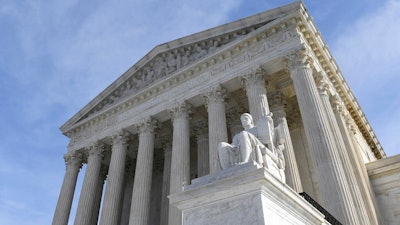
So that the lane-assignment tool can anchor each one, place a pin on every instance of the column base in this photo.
(245, 194)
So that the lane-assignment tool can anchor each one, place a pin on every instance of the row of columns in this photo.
(320, 127)
(336, 185)
(180, 157)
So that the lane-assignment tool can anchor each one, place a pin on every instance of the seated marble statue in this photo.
(263, 144)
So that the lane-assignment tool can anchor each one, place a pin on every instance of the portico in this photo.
(168, 112)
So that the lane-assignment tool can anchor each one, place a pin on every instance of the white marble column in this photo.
(201, 134)
(256, 93)
(291, 169)
(99, 193)
(128, 189)
(140, 206)
(217, 131)
(73, 162)
(323, 88)
(167, 147)
(180, 159)
(343, 118)
(303, 157)
(112, 205)
(331, 176)
(89, 188)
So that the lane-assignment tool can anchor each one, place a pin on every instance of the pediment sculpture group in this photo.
(262, 143)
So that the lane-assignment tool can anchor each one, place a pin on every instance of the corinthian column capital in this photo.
(276, 99)
(252, 77)
(74, 159)
(338, 105)
(352, 126)
(182, 110)
(97, 149)
(298, 58)
(200, 129)
(120, 138)
(148, 125)
(322, 83)
(215, 94)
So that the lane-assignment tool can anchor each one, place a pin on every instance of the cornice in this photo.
(321, 52)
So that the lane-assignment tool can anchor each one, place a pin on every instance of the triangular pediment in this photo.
(169, 58)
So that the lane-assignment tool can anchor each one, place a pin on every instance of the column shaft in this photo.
(331, 176)
(358, 167)
(89, 187)
(180, 159)
(305, 166)
(141, 196)
(203, 163)
(291, 169)
(128, 190)
(167, 146)
(203, 158)
(355, 192)
(99, 193)
(217, 131)
(73, 164)
(256, 93)
(111, 211)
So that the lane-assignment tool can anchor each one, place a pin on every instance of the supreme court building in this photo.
(150, 140)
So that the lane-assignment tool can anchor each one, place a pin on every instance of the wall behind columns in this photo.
(384, 175)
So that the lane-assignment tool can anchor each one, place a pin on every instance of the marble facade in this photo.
(154, 132)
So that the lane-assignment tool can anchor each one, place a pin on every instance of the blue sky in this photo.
(55, 56)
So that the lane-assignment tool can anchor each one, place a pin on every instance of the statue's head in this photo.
(247, 120)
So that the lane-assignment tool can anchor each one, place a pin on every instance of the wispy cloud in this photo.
(368, 53)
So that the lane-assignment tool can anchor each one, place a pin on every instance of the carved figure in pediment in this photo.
(128, 88)
(239, 34)
(178, 59)
(200, 52)
(263, 144)
(185, 59)
(136, 83)
(213, 46)
(159, 67)
(172, 62)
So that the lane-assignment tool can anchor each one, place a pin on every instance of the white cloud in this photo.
(368, 52)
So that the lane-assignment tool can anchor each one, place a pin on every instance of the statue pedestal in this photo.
(244, 194)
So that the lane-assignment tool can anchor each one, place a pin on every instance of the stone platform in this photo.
(245, 194)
